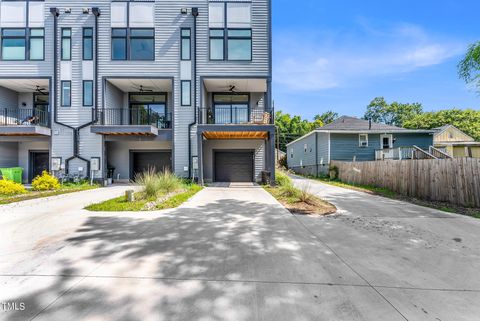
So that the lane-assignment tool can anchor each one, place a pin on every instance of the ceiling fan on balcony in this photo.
(142, 89)
(231, 88)
(41, 90)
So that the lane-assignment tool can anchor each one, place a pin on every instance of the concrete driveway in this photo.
(236, 254)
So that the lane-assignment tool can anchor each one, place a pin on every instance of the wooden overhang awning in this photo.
(125, 130)
(235, 135)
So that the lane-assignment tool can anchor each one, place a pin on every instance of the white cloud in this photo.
(317, 62)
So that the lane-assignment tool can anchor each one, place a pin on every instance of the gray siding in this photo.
(8, 99)
(423, 141)
(9, 154)
(300, 156)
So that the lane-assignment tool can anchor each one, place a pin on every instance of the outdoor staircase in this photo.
(433, 153)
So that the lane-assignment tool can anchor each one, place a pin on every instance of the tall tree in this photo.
(327, 117)
(469, 67)
(467, 120)
(394, 114)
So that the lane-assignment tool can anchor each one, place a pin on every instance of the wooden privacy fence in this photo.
(456, 181)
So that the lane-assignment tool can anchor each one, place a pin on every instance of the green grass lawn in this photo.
(120, 204)
(64, 189)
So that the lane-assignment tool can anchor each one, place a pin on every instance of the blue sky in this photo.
(340, 54)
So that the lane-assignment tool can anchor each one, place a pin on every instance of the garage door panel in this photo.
(142, 161)
(234, 166)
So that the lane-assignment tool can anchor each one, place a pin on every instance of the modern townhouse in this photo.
(110, 88)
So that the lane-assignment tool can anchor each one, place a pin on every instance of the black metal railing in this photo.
(23, 116)
(234, 115)
(135, 116)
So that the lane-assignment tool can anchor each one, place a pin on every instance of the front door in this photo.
(39, 162)
(386, 144)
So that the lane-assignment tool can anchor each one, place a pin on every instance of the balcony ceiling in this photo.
(241, 85)
(24, 85)
(134, 85)
(236, 135)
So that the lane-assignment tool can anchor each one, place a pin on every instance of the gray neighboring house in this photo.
(97, 88)
(354, 139)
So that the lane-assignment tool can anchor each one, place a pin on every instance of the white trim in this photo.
(390, 136)
(299, 139)
(360, 140)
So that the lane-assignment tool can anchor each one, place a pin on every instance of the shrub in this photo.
(305, 195)
(282, 179)
(290, 191)
(282, 162)
(155, 183)
(9, 188)
(45, 182)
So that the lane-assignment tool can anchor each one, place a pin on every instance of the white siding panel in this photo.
(36, 17)
(13, 14)
(66, 70)
(87, 70)
(119, 15)
(216, 15)
(142, 14)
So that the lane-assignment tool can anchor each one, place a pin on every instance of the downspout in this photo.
(195, 15)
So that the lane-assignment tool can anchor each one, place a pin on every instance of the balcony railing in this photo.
(400, 153)
(234, 115)
(24, 117)
(135, 116)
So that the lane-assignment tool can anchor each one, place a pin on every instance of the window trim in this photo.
(28, 46)
(189, 38)
(227, 38)
(62, 83)
(182, 103)
(84, 37)
(83, 93)
(61, 43)
(128, 37)
(360, 140)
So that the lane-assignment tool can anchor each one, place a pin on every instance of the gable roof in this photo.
(353, 123)
(442, 129)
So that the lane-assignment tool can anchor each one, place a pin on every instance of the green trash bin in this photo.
(12, 174)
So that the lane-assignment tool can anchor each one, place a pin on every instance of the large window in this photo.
(133, 44)
(88, 93)
(66, 94)
(186, 40)
(36, 44)
(186, 92)
(149, 109)
(230, 31)
(14, 44)
(231, 108)
(66, 44)
(23, 44)
(87, 43)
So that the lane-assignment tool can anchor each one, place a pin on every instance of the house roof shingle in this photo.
(353, 123)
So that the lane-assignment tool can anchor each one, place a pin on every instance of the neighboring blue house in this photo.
(353, 139)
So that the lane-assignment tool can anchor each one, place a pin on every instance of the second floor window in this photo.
(186, 44)
(133, 44)
(88, 93)
(66, 94)
(66, 44)
(23, 44)
(87, 43)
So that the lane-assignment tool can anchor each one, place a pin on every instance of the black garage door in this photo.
(234, 166)
(142, 161)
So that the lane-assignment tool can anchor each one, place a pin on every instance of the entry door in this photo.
(386, 144)
(39, 162)
(234, 166)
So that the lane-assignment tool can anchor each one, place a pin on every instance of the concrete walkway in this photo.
(233, 254)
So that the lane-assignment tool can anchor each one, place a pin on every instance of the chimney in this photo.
(369, 124)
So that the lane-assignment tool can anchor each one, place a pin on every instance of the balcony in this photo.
(24, 122)
(235, 116)
(132, 121)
